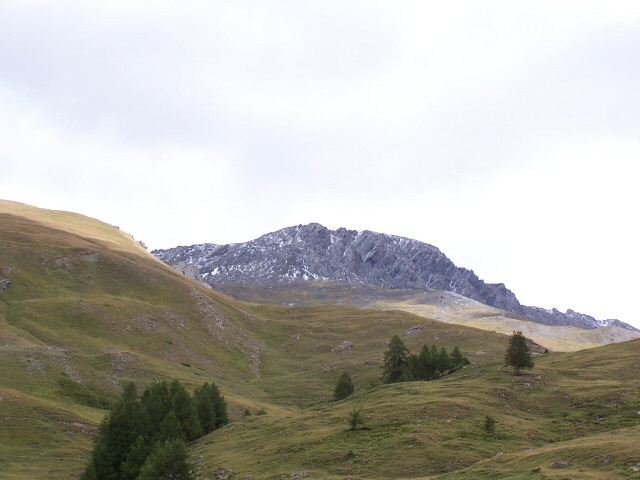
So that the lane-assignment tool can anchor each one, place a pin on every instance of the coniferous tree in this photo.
(407, 374)
(219, 403)
(101, 464)
(395, 361)
(205, 409)
(489, 425)
(136, 457)
(444, 361)
(344, 387)
(170, 429)
(117, 432)
(457, 359)
(121, 429)
(435, 354)
(185, 411)
(136, 429)
(156, 404)
(518, 355)
(425, 363)
(415, 367)
(169, 461)
(356, 417)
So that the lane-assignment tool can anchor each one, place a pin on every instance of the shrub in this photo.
(489, 425)
(356, 417)
(344, 387)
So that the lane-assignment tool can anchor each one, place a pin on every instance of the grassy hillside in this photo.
(439, 305)
(88, 309)
(581, 409)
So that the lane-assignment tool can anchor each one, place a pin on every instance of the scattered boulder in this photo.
(415, 329)
(90, 256)
(371, 362)
(561, 464)
(345, 346)
(222, 473)
(5, 284)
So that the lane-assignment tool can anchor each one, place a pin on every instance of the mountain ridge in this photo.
(314, 252)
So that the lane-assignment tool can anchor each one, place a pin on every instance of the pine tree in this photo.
(444, 361)
(435, 353)
(156, 404)
(117, 432)
(395, 361)
(135, 459)
(428, 364)
(489, 425)
(344, 387)
(170, 429)
(168, 461)
(458, 359)
(415, 366)
(219, 404)
(518, 355)
(185, 411)
(205, 409)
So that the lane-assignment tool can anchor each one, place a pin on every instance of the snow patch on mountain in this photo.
(313, 252)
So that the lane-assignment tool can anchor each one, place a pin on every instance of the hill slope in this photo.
(86, 309)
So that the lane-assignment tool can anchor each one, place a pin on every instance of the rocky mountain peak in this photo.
(314, 252)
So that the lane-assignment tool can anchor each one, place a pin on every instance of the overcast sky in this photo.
(504, 133)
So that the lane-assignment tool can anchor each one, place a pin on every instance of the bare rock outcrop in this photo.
(312, 252)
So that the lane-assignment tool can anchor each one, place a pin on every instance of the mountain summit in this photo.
(314, 252)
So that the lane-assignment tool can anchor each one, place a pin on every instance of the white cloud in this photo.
(502, 132)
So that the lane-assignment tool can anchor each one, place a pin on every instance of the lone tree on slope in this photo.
(518, 355)
(344, 387)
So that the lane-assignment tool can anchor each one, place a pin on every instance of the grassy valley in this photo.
(439, 305)
(88, 309)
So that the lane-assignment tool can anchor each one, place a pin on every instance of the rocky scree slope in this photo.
(313, 252)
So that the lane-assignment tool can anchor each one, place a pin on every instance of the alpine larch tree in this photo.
(396, 361)
(518, 355)
(344, 387)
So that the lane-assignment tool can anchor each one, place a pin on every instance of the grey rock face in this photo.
(313, 252)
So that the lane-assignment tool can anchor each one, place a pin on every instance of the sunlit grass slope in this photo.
(88, 309)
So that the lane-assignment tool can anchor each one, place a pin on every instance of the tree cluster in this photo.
(400, 365)
(144, 437)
